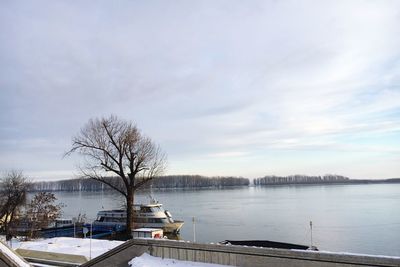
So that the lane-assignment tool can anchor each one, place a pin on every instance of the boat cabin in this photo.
(148, 233)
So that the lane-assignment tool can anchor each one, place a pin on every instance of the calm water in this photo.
(350, 218)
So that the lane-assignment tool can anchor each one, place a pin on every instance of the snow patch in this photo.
(149, 261)
(70, 245)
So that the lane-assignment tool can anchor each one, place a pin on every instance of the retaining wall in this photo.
(9, 258)
(234, 255)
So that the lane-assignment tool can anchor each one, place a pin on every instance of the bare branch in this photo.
(92, 174)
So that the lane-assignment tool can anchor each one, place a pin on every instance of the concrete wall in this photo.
(119, 256)
(52, 258)
(3, 263)
(233, 255)
(6, 260)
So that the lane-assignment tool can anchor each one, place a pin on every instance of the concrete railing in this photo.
(52, 258)
(234, 255)
(9, 258)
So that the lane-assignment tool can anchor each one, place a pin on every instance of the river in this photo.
(346, 218)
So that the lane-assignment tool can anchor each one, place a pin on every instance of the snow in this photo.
(11, 254)
(70, 245)
(149, 261)
(14, 242)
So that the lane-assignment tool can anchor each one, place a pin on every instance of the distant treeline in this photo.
(326, 179)
(193, 181)
(198, 181)
(300, 179)
(172, 181)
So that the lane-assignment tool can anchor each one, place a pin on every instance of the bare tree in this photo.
(13, 190)
(42, 211)
(112, 145)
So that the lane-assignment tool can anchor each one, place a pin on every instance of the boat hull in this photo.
(169, 228)
(173, 228)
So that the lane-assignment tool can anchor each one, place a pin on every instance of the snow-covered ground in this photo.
(76, 246)
(149, 261)
(11, 243)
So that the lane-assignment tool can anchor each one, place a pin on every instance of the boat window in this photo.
(146, 209)
(141, 220)
(155, 220)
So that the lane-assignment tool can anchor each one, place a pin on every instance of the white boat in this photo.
(144, 216)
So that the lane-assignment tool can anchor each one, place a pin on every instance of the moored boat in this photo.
(144, 216)
(267, 244)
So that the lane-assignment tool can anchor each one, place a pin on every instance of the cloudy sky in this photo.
(244, 88)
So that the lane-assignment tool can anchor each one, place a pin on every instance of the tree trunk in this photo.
(129, 213)
(10, 224)
(6, 227)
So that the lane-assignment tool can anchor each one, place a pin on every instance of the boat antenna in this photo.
(311, 247)
(152, 199)
(90, 241)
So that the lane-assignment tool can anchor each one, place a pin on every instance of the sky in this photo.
(242, 88)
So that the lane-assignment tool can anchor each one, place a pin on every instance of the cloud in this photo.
(202, 78)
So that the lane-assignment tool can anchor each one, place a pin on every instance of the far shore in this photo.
(277, 183)
(350, 181)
